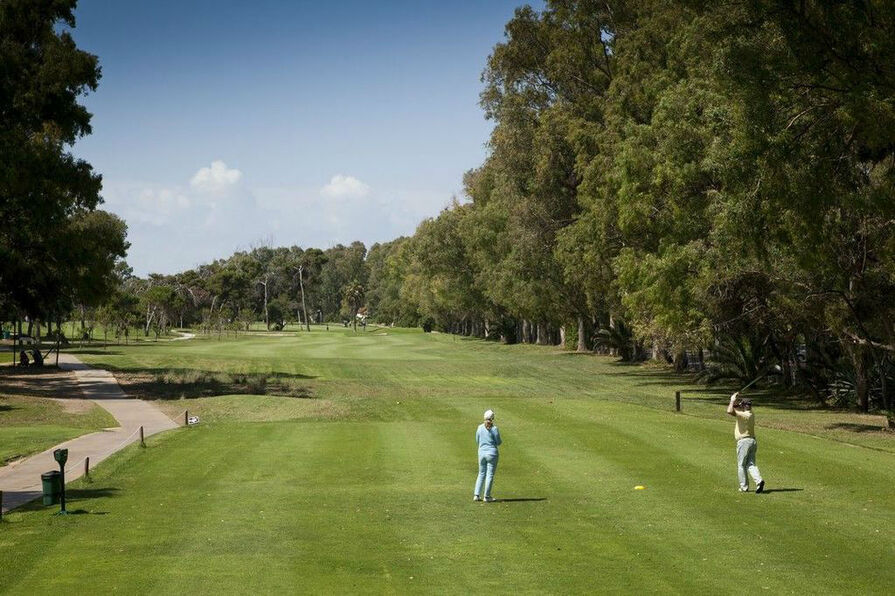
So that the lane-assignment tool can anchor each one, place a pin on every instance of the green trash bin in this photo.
(52, 484)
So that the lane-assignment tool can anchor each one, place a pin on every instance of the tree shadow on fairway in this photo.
(72, 495)
(646, 377)
(521, 500)
(85, 512)
(857, 428)
(718, 394)
(95, 352)
(85, 494)
(41, 381)
(775, 399)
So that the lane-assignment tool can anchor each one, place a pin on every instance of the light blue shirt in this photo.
(487, 440)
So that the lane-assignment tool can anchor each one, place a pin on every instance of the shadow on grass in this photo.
(768, 491)
(72, 495)
(652, 375)
(762, 398)
(84, 494)
(521, 500)
(718, 394)
(854, 427)
(85, 512)
(41, 381)
(96, 352)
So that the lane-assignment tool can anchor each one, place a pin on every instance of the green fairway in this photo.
(367, 486)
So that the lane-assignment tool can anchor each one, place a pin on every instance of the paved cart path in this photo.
(20, 481)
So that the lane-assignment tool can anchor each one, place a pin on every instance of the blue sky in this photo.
(219, 126)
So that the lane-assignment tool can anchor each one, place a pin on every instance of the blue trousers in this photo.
(487, 467)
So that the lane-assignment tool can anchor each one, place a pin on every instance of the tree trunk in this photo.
(58, 339)
(562, 336)
(16, 345)
(542, 334)
(301, 285)
(266, 318)
(526, 331)
(582, 340)
(861, 380)
(612, 351)
(886, 399)
(786, 373)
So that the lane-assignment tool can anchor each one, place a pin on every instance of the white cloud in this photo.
(174, 227)
(158, 205)
(345, 187)
(215, 179)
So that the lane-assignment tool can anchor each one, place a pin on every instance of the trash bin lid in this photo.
(48, 475)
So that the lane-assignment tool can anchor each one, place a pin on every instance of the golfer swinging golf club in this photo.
(744, 433)
(487, 437)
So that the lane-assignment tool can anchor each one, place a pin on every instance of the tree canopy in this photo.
(56, 250)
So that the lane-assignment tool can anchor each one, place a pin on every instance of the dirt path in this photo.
(20, 481)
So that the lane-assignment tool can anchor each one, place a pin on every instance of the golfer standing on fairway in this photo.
(744, 433)
(487, 437)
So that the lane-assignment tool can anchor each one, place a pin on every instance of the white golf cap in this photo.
(489, 414)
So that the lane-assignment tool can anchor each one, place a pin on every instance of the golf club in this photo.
(775, 368)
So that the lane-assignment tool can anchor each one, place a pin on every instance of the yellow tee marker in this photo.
(639, 487)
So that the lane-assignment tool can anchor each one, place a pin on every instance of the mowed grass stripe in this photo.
(697, 503)
(152, 515)
(591, 478)
(214, 527)
(318, 497)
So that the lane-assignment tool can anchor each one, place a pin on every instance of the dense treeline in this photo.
(707, 183)
(688, 180)
(274, 285)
